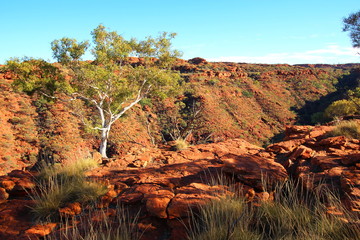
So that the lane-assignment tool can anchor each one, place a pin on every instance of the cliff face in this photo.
(252, 102)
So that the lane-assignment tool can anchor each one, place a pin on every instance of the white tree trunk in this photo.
(103, 143)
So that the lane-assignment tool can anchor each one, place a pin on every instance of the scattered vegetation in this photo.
(342, 108)
(292, 215)
(101, 225)
(349, 129)
(59, 185)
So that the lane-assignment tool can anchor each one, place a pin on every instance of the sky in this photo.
(262, 31)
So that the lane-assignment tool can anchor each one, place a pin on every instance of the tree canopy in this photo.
(352, 25)
(111, 84)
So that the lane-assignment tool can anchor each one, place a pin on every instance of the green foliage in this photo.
(146, 102)
(318, 118)
(342, 108)
(110, 85)
(59, 185)
(36, 75)
(213, 82)
(293, 214)
(182, 119)
(17, 121)
(349, 129)
(67, 49)
(247, 94)
(352, 25)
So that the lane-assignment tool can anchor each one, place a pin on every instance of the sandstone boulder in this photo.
(254, 170)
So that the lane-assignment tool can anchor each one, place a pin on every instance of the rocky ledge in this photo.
(164, 185)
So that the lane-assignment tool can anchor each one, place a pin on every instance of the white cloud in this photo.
(332, 54)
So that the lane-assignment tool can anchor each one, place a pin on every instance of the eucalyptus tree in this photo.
(352, 25)
(110, 84)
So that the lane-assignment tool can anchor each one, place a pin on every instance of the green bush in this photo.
(349, 129)
(342, 108)
(146, 102)
(213, 82)
(247, 94)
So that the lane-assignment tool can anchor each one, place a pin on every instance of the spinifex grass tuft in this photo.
(349, 129)
(59, 185)
(104, 224)
(180, 144)
(293, 214)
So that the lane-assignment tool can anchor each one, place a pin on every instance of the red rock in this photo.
(15, 219)
(97, 157)
(157, 202)
(24, 184)
(104, 201)
(326, 162)
(7, 184)
(335, 172)
(194, 154)
(295, 132)
(111, 193)
(262, 196)
(335, 142)
(179, 228)
(190, 198)
(302, 152)
(197, 61)
(351, 159)
(130, 197)
(319, 131)
(252, 170)
(41, 230)
(3, 195)
(223, 75)
(70, 210)
(285, 146)
(19, 174)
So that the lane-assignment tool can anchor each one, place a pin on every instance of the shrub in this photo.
(318, 118)
(342, 108)
(17, 120)
(292, 214)
(349, 129)
(247, 94)
(180, 144)
(59, 185)
(146, 102)
(213, 82)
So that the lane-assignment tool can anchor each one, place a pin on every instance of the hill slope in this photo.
(231, 100)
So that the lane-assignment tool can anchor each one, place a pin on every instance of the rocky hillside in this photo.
(231, 100)
(164, 185)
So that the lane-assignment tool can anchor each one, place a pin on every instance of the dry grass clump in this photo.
(349, 129)
(180, 144)
(292, 215)
(59, 185)
(104, 224)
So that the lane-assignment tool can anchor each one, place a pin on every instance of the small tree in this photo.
(352, 24)
(110, 84)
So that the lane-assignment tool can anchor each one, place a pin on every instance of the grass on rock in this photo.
(293, 214)
(60, 185)
(349, 129)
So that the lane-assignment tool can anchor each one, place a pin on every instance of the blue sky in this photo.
(262, 31)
